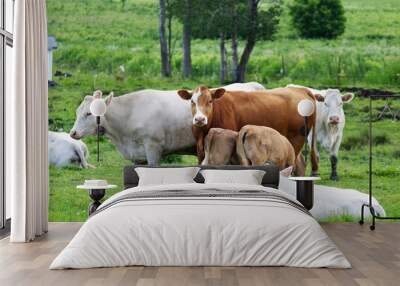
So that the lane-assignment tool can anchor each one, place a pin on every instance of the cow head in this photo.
(202, 100)
(333, 105)
(85, 122)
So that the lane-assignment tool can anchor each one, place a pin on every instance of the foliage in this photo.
(229, 16)
(318, 18)
(358, 140)
(230, 19)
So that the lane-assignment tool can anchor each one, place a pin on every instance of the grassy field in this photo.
(97, 37)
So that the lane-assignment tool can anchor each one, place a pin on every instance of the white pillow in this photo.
(166, 176)
(286, 172)
(285, 184)
(248, 177)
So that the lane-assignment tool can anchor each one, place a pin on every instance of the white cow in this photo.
(330, 121)
(332, 202)
(63, 150)
(249, 86)
(146, 124)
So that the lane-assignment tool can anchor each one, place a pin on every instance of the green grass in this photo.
(97, 37)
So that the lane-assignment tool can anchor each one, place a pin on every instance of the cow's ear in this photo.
(218, 93)
(347, 97)
(185, 94)
(97, 94)
(108, 98)
(319, 97)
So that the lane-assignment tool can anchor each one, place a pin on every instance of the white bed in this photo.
(248, 226)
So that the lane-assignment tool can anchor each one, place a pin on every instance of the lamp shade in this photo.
(98, 107)
(305, 107)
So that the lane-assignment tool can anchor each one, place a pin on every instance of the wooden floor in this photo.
(375, 257)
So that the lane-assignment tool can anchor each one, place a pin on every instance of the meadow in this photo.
(108, 47)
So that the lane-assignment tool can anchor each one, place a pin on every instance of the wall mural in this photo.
(200, 117)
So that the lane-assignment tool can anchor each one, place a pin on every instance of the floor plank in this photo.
(375, 257)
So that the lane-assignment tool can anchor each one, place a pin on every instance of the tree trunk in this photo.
(234, 56)
(234, 41)
(187, 34)
(223, 63)
(250, 41)
(169, 21)
(164, 51)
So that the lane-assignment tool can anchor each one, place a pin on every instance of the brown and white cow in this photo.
(276, 108)
(256, 145)
(220, 147)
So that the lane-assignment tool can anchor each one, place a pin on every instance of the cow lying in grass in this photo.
(330, 121)
(146, 124)
(333, 202)
(276, 108)
(64, 151)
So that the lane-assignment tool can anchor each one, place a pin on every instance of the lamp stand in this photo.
(369, 205)
(306, 139)
(98, 138)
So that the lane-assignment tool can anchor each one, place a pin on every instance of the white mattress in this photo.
(200, 231)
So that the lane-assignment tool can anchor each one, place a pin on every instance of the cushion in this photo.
(248, 177)
(163, 176)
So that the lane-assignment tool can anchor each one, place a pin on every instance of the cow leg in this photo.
(334, 161)
(139, 162)
(153, 153)
(82, 158)
(200, 149)
(298, 142)
(334, 158)
(300, 166)
(314, 163)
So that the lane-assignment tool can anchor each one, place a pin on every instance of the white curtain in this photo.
(26, 128)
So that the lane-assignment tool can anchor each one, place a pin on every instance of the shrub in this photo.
(396, 154)
(318, 18)
(360, 140)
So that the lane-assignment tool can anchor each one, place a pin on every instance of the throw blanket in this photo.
(206, 193)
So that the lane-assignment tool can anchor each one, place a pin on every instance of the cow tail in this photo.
(313, 147)
(240, 149)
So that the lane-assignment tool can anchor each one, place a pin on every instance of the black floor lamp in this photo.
(369, 204)
(98, 108)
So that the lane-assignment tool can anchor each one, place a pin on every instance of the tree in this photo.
(236, 20)
(213, 22)
(223, 61)
(256, 24)
(164, 44)
(182, 10)
(318, 18)
(223, 20)
(186, 39)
